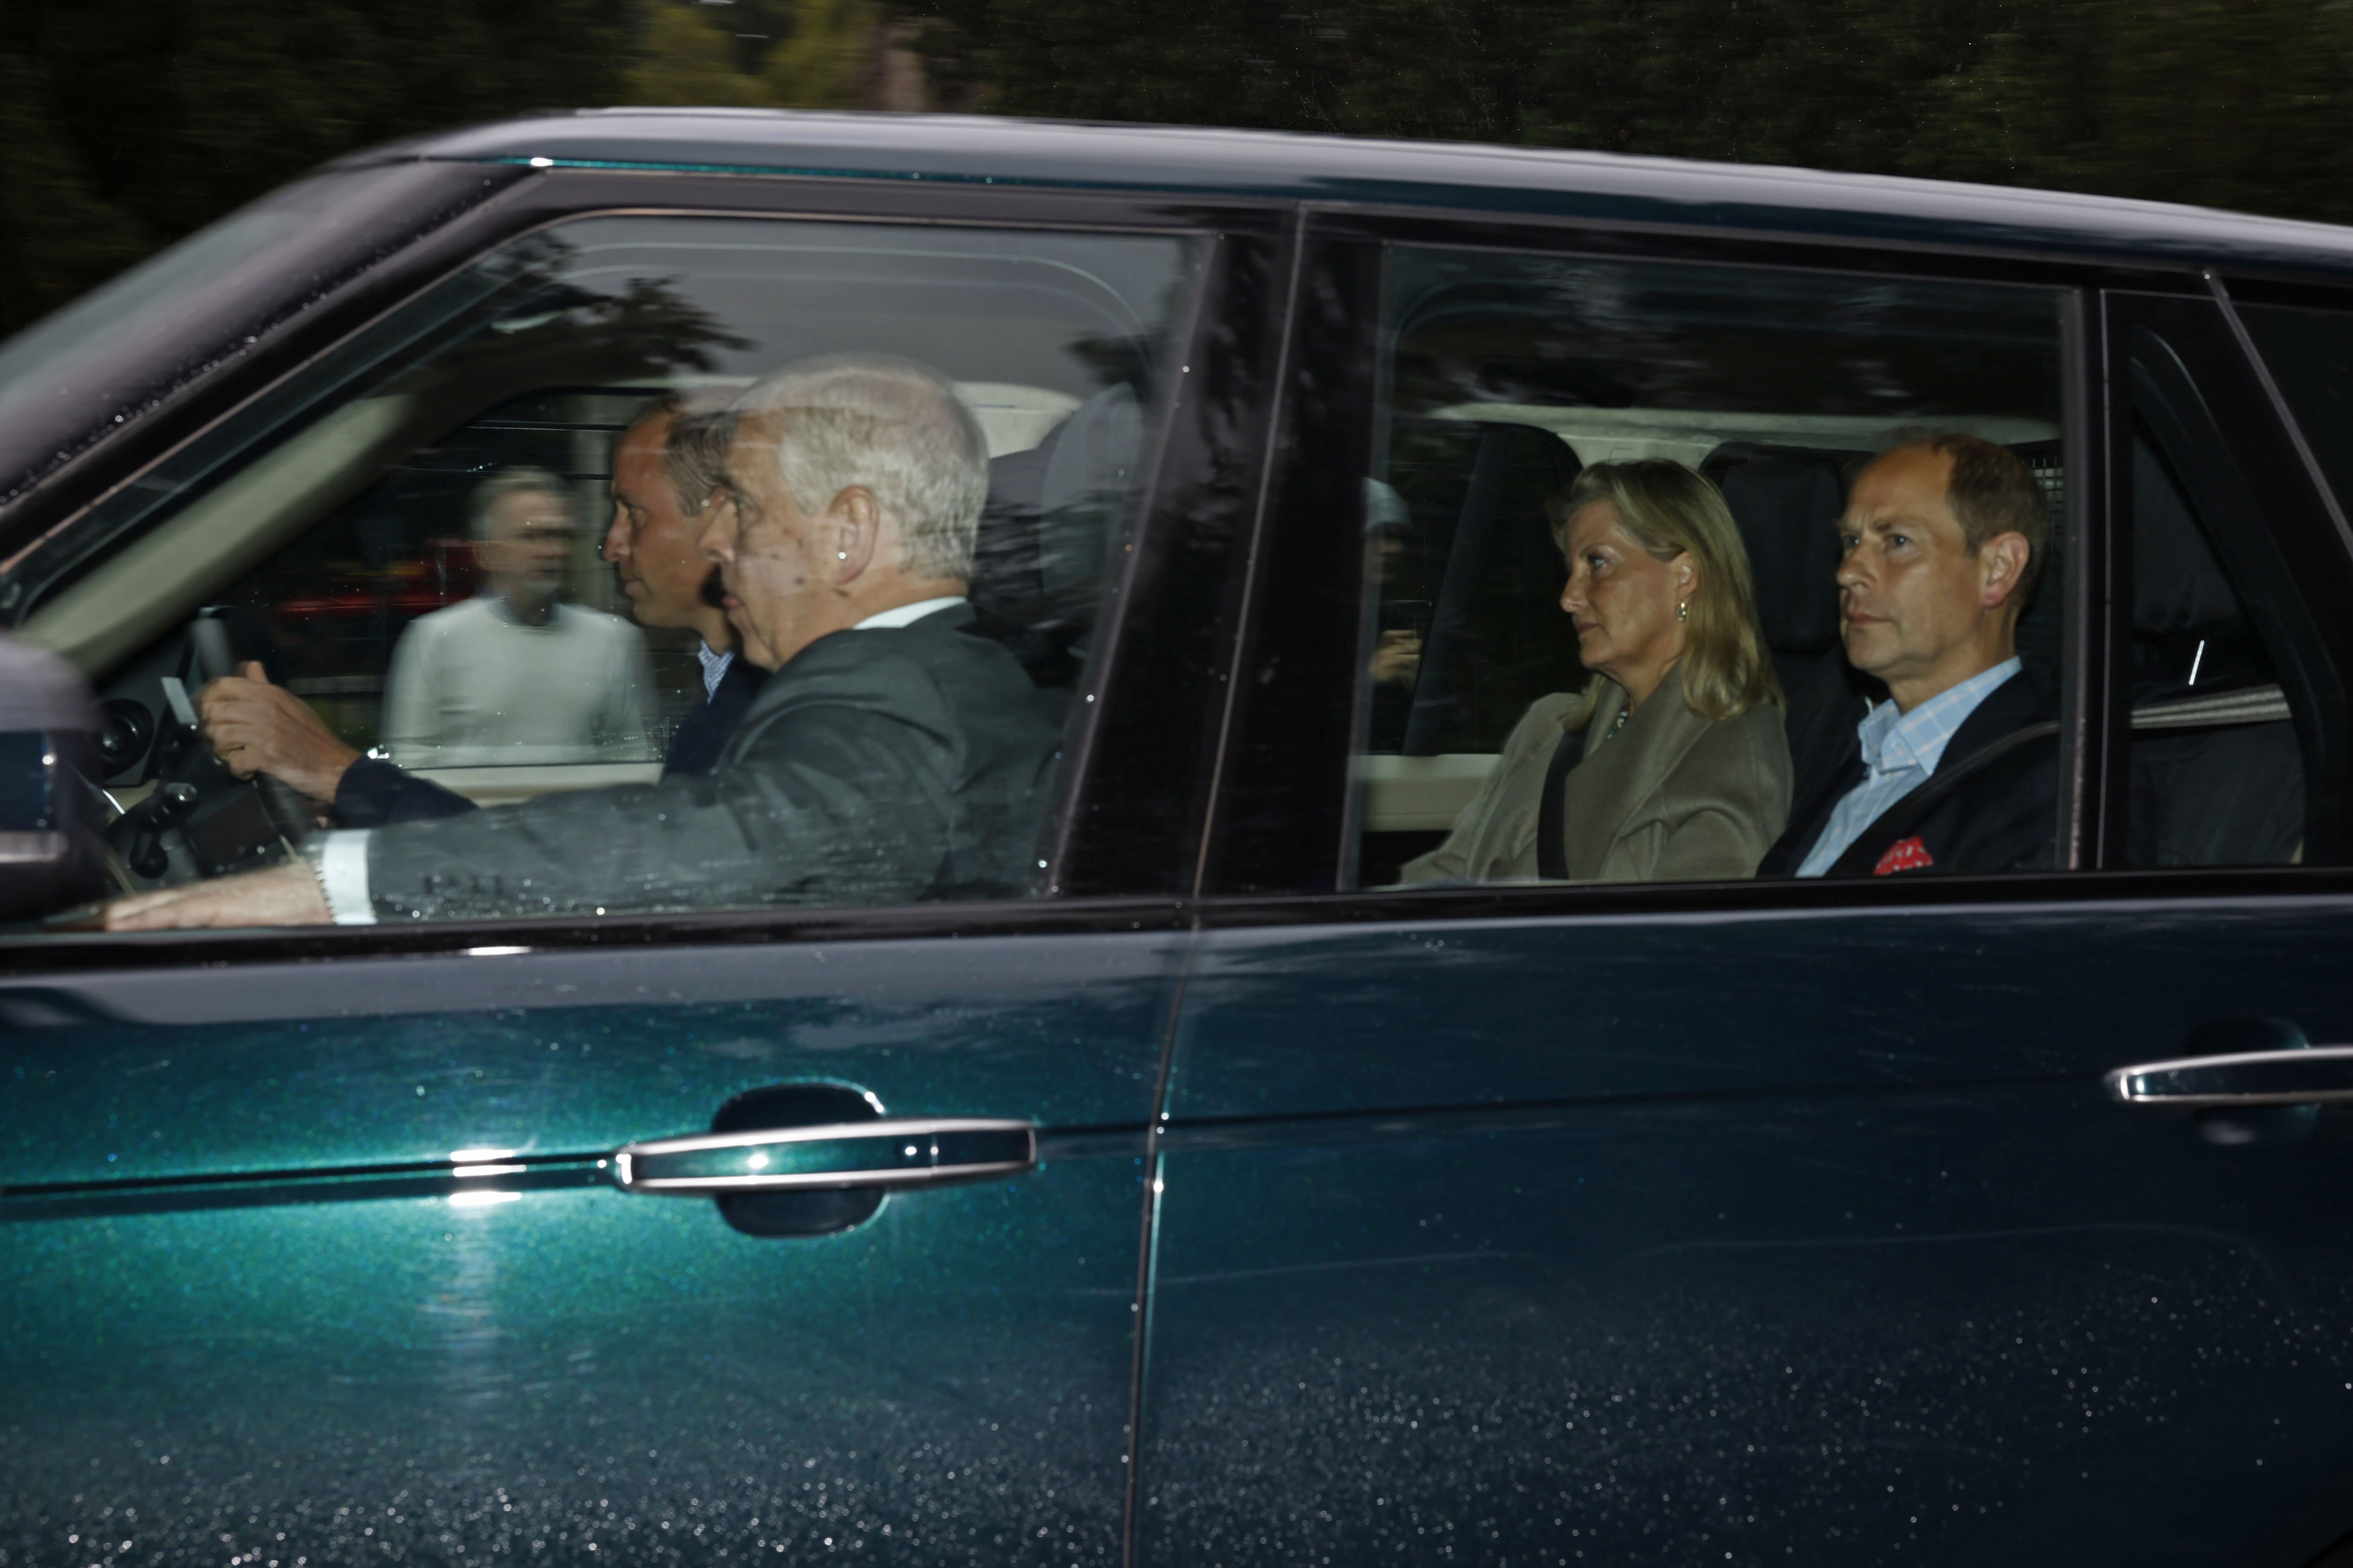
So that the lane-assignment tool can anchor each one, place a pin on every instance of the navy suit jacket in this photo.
(375, 794)
(2002, 816)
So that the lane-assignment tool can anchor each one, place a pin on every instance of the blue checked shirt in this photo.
(714, 668)
(1899, 752)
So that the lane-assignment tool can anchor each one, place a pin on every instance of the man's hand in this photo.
(284, 895)
(1396, 658)
(257, 728)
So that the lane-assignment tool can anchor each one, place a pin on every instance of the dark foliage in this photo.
(2222, 103)
(127, 123)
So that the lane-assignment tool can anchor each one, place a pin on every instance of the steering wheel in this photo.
(202, 820)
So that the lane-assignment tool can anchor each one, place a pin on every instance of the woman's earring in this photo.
(1683, 609)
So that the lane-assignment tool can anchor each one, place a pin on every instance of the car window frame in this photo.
(1169, 618)
(2222, 390)
(2092, 774)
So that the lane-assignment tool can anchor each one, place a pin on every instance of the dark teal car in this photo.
(1220, 1200)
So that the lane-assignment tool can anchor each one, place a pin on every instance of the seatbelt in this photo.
(1552, 850)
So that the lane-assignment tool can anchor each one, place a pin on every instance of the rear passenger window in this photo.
(2217, 772)
(1609, 511)
(475, 548)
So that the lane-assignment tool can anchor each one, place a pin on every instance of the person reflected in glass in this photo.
(666, 467)
(895, 753)
(1671, 764)
(514, 675)
(1394, 664)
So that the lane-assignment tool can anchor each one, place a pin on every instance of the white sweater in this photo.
(471, 686)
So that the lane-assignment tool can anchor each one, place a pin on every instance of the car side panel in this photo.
(1811, 1236)
(333, 1344)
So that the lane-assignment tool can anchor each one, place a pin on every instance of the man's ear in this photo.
(2001, 566)
(854, 522)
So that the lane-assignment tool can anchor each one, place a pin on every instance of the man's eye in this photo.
(1897, 541)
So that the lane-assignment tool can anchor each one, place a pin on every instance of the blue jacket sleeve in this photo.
(375, 794)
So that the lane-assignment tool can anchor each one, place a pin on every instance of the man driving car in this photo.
(892, 755)
(665, 467)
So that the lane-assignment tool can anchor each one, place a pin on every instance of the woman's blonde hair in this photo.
(1669, 510)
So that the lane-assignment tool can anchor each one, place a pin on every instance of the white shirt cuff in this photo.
(343, 874)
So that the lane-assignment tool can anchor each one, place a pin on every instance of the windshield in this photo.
(97, 364)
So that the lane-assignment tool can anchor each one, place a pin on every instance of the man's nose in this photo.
(615, 546)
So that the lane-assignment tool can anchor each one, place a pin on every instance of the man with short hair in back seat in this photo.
(665, 467)
(1943, 538)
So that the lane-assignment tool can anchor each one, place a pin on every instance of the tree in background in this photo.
(765, 54)
(131, 122)
(126, 123)
(2222, 102)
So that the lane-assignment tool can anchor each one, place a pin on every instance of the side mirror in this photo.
(51, 812)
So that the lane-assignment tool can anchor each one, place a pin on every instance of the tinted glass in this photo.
(1522, 390)
(2309, 354)
(2218, 771)
(542, 533)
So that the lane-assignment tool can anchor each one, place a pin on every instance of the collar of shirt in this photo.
(905, 615)
(505, 614)
(714, 668)
(1893, 742)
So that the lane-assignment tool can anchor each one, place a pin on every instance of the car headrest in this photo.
(1788, 509)
(1046, 533)
(1004, 575)
(1090, 473)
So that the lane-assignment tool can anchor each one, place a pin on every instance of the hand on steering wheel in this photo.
(257, 728)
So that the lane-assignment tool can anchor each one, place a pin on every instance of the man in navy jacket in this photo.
(1942, 539)
(664, 471)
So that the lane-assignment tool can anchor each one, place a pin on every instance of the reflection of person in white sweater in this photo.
(511, 676)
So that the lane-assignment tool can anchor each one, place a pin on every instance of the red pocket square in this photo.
(1905, 854)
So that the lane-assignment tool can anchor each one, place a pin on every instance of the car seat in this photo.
(1787, 504)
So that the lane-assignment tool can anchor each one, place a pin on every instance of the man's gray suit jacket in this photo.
(881, 766)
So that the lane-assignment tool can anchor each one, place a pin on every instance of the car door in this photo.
(1760, 1221)
(378, 1241)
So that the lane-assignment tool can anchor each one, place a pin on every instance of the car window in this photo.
(1594, 483)
(2219, 763)
(2306, 352)
(554, 529)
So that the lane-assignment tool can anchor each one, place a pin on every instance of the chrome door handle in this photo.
(913, 1151)
(2318, 1075)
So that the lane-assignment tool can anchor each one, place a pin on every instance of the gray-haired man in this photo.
(892, 756)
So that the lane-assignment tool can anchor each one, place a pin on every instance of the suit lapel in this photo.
(1620, 773)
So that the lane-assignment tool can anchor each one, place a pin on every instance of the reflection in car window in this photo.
(652, 563)
(1600, 483)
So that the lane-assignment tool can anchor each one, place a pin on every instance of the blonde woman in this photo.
(1671, 765)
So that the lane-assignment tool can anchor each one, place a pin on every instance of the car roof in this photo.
(1280, 167)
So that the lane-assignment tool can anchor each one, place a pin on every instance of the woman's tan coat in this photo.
(1673, 797)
